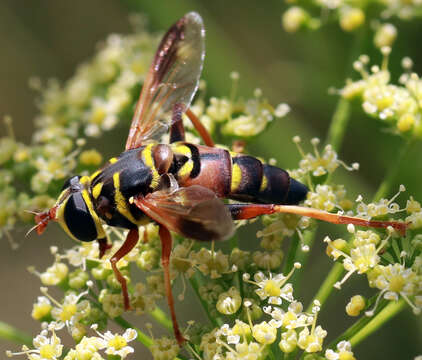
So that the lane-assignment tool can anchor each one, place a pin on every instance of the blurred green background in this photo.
(49, 38)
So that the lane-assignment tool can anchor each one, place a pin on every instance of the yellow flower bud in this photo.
(90, 158)
(351, 18)
(355, 305)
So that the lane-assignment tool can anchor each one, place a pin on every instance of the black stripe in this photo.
(251, 175)
(196, 160)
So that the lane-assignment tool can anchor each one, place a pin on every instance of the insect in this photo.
(179, 186)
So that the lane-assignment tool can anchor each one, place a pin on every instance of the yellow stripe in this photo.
(264, 183)
(85, 181)
(183, 150)
(112, 160)
(121, 202)
(149, 161)
(60, 219)
(98, 225)
(236, 177)
(185, 170)
(96, 191)
(94, 175)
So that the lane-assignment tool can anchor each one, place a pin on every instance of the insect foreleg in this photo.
(128, 245)
(104, 246)
(166, 243)
(248, 211)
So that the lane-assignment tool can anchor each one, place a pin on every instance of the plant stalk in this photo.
(10, 333)
(393, 170)
(161, 317)
(391, 310)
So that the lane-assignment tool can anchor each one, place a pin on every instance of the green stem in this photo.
(291, 255)
(391, 310)
(335, 137)
(302, 256)
(342, 112)
(328, 284)
(160, 316)
(339, 124)
(10, 333)
(393, 170)
(356, 327)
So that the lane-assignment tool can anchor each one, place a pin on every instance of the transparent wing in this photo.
(172, 79)
(194, 212)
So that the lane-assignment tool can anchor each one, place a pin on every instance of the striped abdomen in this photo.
(234, 176)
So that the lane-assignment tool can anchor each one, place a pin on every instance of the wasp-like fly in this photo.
(179, 185)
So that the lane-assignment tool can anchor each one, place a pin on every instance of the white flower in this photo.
(116, 344)
(46, 348)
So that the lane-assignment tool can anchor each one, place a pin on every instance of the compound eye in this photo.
(78, 218)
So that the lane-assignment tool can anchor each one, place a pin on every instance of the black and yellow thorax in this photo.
(132, 173)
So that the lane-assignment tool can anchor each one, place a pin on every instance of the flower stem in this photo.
(292, 253)
(357, 326)
(328, 284)
(391, 310)
(391, 176)
(342, 112)
(161, 317)
(339, 124)
(8, 332)
(335, 137)
(296, 254)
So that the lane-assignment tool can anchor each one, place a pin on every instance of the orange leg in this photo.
(248, 211)
(128, 245)
(103, 246)
(205, 135)
(166, 243)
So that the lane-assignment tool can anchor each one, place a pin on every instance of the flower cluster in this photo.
(350, 15)
(366, 253)
(397, 106)
(246, 292)
(286, 321)
(49, 347)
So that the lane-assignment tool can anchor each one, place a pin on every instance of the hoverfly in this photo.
(179, 186)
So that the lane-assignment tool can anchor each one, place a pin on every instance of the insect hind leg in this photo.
(249, 211)
(166, 244)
